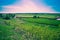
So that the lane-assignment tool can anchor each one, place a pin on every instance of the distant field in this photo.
(38, 14)
(28, 27)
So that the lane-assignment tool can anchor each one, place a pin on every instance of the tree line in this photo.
(7, 16)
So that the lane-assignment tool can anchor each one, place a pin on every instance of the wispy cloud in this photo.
(28, 6)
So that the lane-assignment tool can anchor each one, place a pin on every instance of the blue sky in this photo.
(54, 3)
(50, 5)
(6, 2)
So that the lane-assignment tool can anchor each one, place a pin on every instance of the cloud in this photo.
(28, 6)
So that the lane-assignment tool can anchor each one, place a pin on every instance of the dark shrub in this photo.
(34, 16)
(0, 15)
(38, 16)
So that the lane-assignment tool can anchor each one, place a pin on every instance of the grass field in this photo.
(46, 27)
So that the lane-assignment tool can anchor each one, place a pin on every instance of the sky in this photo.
(29, 6)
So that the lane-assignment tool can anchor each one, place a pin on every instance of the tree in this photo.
(7, 16)
(0, 15)
(34, 16)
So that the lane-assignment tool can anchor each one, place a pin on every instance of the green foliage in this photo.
(7, 16)
(34, 16)
(0, 15)
(29, 29)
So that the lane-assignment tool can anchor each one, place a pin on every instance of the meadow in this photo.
(30, 27)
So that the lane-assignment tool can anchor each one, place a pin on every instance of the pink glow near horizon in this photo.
(28, 7)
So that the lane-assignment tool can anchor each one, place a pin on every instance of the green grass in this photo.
(29, 29)
(42, 21)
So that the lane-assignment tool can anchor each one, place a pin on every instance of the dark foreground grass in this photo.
(18, 29)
